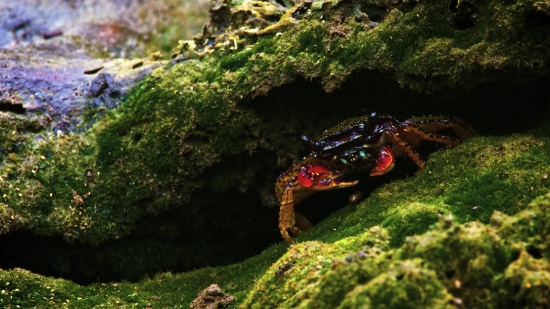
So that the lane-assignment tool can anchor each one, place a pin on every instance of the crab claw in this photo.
(318, 177)
(385, 161)
(299, 182)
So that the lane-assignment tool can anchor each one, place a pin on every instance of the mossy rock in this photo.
(181, 172)
(473, 265)
(500, 263)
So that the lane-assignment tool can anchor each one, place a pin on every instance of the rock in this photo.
(211, 298)
(177, 173)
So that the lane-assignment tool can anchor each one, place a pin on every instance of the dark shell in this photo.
(351, 129)
(352, 141)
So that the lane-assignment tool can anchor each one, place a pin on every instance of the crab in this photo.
(372, 143)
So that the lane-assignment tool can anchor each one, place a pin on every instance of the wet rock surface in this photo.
(59, 87)
(104, 28)
(59, 58)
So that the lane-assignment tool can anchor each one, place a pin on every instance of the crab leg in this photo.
(437, 123)
(401, 145)
(286, 214)
(413, 133)
(293, 220)
(288, 218)
(311, 177)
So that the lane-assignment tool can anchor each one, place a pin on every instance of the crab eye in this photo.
(373, 117)
(372, 120)
(311, 142)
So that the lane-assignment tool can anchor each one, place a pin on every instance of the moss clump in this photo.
(405, 285)
(413, 219)
(451, 265)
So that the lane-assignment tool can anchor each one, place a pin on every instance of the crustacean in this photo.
(362, 143)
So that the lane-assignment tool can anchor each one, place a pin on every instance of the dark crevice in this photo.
(11, 107)
(534, 252)
(449, 274)
(137, 137)
(376, 14)
(378, 11)
(514, 255)
(164, 242)
(306, 107)
(537, 21)
(537, 26)
(465, 14)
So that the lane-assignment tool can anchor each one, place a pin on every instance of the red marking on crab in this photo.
(385, 161)
(313, 175)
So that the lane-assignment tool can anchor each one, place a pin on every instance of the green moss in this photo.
(413, 219)
(235, 61)
(406, 285)
(529, 278)
(22, 289)
(303, 284)
(362, 267)
(312, 39)
(190, 129)
(455, 264)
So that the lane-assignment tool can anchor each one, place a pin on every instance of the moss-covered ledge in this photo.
(503, 264)
(409, 254)
(426, 46)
